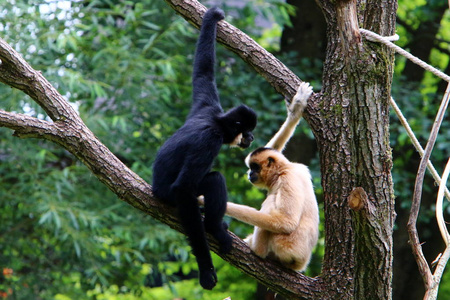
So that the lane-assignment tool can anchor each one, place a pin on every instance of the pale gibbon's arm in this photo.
(276, 222)
(294, 114)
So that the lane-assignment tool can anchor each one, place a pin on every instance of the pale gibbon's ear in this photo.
(270, 160)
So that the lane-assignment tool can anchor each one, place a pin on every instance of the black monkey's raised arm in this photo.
(203, 80)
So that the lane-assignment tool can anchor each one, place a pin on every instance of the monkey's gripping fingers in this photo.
(299, 101)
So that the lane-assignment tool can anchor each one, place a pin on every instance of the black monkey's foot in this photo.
(225, 225)
(220, 233)
(208, 279)
(225, 241)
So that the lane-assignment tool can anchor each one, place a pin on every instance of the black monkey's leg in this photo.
(213, 188)
(190, 217)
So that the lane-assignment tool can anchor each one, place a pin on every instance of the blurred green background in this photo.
(126, 66)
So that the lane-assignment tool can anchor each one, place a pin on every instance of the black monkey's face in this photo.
(238, 125)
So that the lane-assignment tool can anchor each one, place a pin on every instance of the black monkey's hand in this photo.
(214, 13)
(225, 225)
(208, 279)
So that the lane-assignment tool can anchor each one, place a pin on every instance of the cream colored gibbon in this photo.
(287, 225)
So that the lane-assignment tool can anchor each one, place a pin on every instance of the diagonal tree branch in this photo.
(266, 64)
(17, 73)
(69, 131)
(26, 126)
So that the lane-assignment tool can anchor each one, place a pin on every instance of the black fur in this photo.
(182, 169)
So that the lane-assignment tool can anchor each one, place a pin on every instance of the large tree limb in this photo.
(69, 131)
(265, 63)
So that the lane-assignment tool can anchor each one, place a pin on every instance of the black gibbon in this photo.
(287, 225)
(182, 169)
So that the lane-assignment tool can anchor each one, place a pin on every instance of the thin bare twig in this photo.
(424, 268)
(439, 209)
(417, 145)
(443, 259)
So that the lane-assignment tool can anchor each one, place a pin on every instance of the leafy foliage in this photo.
(126, 69)
(125, 66)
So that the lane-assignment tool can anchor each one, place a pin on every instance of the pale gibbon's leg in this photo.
(257, 241)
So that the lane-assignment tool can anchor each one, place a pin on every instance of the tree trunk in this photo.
(351, 125)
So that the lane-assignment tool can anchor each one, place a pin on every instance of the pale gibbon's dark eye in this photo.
(238, 123)
(255, 167)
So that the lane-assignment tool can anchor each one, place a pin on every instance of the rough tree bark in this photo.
(349, 118)
(351, 123)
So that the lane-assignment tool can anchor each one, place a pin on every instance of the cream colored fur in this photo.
(236, 141)
(287, 225)
(294, 114)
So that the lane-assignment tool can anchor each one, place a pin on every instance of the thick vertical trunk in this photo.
(351, 125)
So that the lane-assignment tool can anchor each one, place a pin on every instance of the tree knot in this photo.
(357, 199)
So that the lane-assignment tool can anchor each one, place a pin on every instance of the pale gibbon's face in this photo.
(254, 174)
(260, 170)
